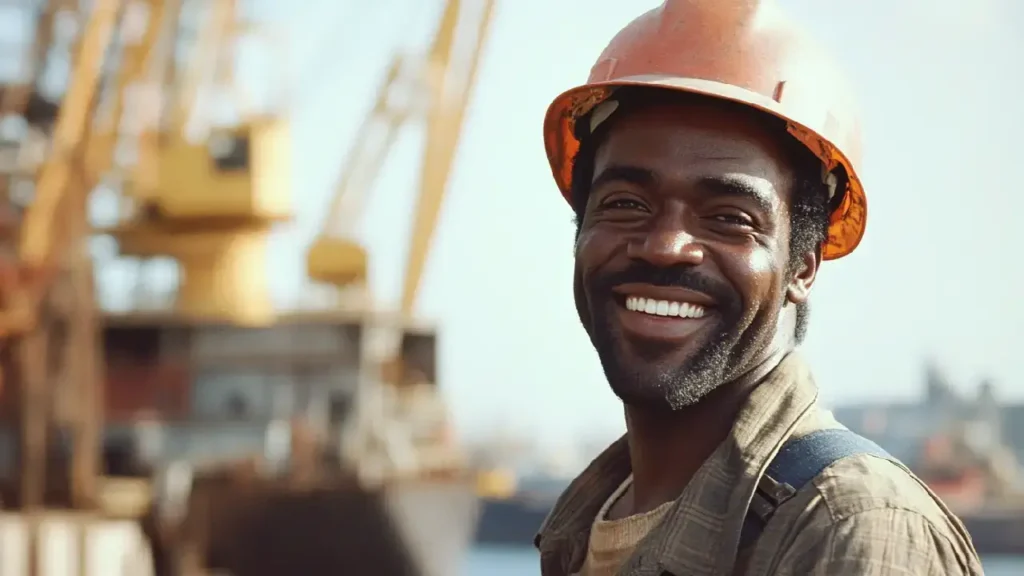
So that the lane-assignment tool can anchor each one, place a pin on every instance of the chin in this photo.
(666, 383)
(647, 399)
(669, 388)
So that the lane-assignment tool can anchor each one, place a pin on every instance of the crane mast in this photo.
(70, 145)
(217, 238)
(38, 315)
(47, 322)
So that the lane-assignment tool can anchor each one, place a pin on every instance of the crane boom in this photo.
(333, 258)
(444, 126)
(138, 64)
(44, 230)
(437, 89)
(434, 88)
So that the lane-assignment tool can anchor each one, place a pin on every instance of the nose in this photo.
(667, 245)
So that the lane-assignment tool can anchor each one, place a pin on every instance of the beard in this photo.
(661, 375)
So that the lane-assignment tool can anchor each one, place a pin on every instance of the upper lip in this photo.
(670, 293)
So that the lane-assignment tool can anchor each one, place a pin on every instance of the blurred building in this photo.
(909, 430)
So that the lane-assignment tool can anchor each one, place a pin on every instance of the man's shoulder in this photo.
(865, 514)
(863, 483)
(871, 506)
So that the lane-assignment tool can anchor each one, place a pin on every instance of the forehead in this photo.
(685, 141)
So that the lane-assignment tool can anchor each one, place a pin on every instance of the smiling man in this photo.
(711, 161)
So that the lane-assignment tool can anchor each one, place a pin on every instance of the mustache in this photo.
(641, 272)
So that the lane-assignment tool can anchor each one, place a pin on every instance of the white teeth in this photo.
(664, 307)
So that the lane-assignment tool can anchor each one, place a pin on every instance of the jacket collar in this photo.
(700, 534)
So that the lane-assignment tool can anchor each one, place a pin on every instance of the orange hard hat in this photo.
(743, 51)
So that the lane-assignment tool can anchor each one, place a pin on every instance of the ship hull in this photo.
(511, 522)
(436, 521)
(996, 532)
(409, 528)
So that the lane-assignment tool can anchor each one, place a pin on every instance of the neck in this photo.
(668, 447)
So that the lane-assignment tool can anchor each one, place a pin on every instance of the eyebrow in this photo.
(738, 186)
(731, 185)
(630, 174)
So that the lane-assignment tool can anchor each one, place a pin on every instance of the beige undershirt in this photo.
(612, 541)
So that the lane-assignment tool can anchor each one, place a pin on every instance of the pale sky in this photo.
(939, 81)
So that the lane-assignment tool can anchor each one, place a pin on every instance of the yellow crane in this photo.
(50, 247)
(435, 88)
(123, 61)
(46, 311)
(207, 201)
(54, 219)
(210, 201)
(217, 238)
(408, 416)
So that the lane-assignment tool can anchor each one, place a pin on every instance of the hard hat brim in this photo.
(847, 221)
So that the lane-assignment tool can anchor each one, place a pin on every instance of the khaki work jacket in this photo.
(862, 516)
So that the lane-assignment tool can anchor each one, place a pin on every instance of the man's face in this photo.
(682, 253)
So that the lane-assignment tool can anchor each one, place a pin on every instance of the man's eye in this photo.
(624, 204)
(732, 219)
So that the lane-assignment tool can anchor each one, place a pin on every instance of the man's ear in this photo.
(799, 289)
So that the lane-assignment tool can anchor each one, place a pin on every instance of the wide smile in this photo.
(667, 308)
(658, 313)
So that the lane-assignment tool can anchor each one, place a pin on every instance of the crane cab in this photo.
(239, 173)
(210, 206)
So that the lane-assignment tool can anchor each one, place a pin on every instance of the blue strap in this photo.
(801, 460)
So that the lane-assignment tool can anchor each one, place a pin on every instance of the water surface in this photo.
(517, 561)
